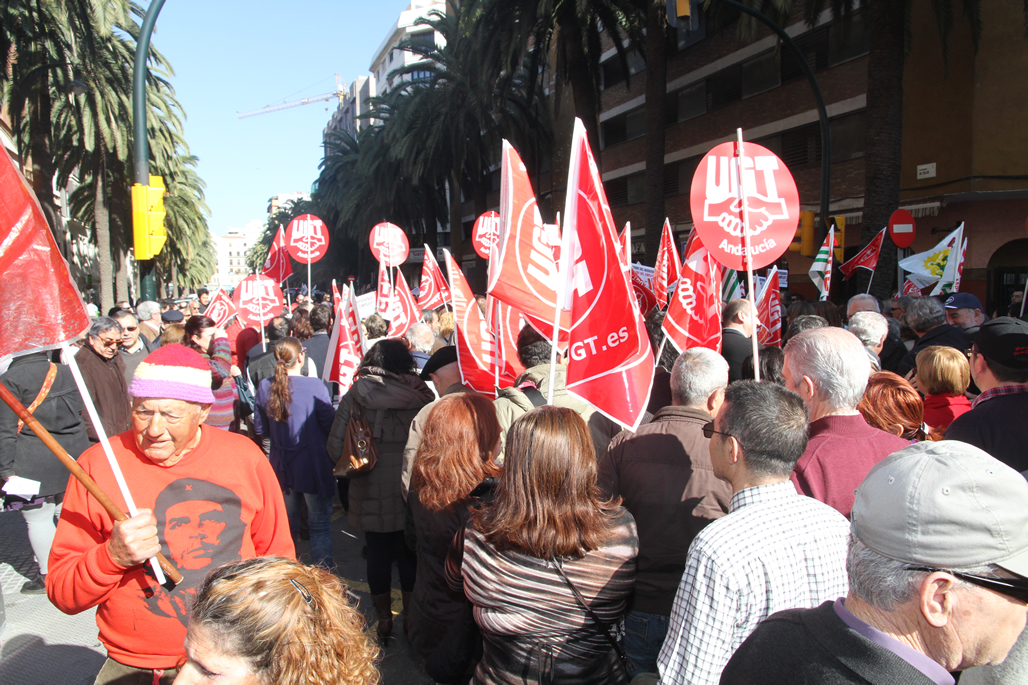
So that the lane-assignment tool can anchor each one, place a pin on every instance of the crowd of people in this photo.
(855, 516)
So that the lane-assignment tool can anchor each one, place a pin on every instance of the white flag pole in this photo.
(563, 269)
(87, 400)
(747, 257)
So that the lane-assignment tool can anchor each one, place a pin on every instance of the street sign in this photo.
(902, 228)
(307, 238)
(258, 299)
(772, 202)
(486, 233)
(389, 244)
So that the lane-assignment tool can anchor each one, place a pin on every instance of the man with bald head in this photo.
(828, 368)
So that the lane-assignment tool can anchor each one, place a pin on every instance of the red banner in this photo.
(406, 312)
(40, 307)
(694, 313)
(911, 290)
(666, 269)
(625, 241)
(258, 300)
(385, 304)
(346, 346)
(221, 309)
(769, 311)
(432, 291)
(307, 238)
(507, 322)
(866, 258)
(277, 266)
(475, 348)
(610, 362)
(524, 273)
(643, 294)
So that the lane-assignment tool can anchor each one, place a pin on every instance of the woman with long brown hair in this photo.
(296, 412)
(453, 472)
(548, 537)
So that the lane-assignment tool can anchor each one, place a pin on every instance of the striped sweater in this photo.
(223, 411)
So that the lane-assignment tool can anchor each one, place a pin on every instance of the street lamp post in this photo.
(147, 285)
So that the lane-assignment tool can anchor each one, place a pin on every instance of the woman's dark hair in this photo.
(300, 325)
(829, 311)
(547, 503)
(196, 325)
(772, 359)
(287, 351)
(389, 355)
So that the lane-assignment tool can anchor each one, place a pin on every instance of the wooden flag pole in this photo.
(747, 257)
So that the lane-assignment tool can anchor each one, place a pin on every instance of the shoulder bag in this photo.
(360, 454)
(604, 627)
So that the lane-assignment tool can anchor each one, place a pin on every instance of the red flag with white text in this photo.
(385, 300)
(221, 309)
(769, 311)
(694, 313)
(610, 363)
(866, 258)
(346, 345)
(666, 269)
(433, 291)
(910, 289)
(335, 293)
(475, 347)
(406, 312)
(277, 266)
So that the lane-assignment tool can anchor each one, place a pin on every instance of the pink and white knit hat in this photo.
(173, 372)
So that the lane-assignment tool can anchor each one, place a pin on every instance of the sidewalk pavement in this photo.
(42, 646)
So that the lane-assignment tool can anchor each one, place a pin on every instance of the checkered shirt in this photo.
(1010, 389)
(774, 550)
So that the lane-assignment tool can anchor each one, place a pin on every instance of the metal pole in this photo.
(147, 285)
(820, 230)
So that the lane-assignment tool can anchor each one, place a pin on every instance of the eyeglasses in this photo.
(109, 343)
(1018, 589)
(708, 431)
(131, 328)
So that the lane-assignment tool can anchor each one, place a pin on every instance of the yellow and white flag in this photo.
(932, 265)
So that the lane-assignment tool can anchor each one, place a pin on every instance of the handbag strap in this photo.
(605, 627)
(48, 383)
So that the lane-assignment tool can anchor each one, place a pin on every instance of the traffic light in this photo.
(148, 231)
(804, 241)
(683, 8)
(840, 237)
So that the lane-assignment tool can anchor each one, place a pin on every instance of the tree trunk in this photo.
(101, 218)
(456, 226)
(583, 83)
(40, 150)
(656, 98)
(883, 147)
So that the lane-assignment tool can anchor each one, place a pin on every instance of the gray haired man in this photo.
(938, 580)
(103, 371)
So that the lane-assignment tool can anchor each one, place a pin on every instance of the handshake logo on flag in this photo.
(722, 204)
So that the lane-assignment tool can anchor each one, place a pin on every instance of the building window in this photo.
(847, 40)
(636, 190)
(760, 74)
(801, 147)
(847, 136)
(624, 127)
(613, 70)
(617, 191)
(725, 87)
(692, 102)
(814, 46)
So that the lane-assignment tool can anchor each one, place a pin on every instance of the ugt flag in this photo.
(694, 312)
(346, 345)
(769, 311)
(475, 346)
(665, 271)
(277, 266)
(432, 290)
(406, 312)
(866, 258)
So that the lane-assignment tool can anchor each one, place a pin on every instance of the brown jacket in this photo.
(105, 379)
(664, 476)
(389, 403)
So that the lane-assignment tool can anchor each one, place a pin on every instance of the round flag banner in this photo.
(389, 244)
(258, 299)
(772, 201)
(307, 238)
(486, 233)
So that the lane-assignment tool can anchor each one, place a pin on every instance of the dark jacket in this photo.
(317, 349)
(665, 479)
(435, 607)
(105, 380)
(997, 426)
(892, 354)
(815, 646)
(735, 347)
(23, 454)
(944, 334)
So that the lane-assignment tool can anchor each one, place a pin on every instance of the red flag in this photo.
(335, 293)
(525, 271)
(643, 293)
(475, 348)
(40, 307)
(769, 311)
(221, 308)
(346, 346)
(385, 303)
(694, 313)
(277, 266)
(610, 364)
(507, 323)
(910, 289)
(666, 270)
(405, 312)
(625, 241)
(433, 291)
(866, 258)
(960, 268)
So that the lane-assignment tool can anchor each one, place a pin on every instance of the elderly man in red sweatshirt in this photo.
(206, 497)
(828, 368)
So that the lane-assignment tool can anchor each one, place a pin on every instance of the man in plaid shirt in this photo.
(774, 550)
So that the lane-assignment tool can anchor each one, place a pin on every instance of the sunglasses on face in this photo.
(1018, 589)
(109, 343)
(709, 432)
(131, 328)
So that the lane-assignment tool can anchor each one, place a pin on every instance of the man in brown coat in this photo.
(103, 370)
(664, 476)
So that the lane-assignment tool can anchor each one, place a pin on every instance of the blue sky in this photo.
(232, 56)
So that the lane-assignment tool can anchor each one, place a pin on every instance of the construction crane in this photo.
(340, 94)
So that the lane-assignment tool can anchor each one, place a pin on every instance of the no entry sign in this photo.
(772, 201)
(389, 244)
(258, 299)
(486, 233)
(902, 228)
(307, 238)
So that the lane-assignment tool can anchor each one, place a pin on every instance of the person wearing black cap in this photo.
(999, 366)
(442, 370)
(964, 310)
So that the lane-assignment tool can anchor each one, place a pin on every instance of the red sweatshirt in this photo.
(221, 502)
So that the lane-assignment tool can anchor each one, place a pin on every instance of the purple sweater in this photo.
(841, 451)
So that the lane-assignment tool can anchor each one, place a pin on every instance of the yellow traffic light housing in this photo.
(840, 237)
(148, 231)
(804, 241)
(683, 8)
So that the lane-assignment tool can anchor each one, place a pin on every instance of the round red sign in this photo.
(772, 201)
(486, 233)
(389, 244)
(902, 228)
(258, 299)
(307, 238)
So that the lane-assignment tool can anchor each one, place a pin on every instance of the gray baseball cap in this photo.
(944, 504)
